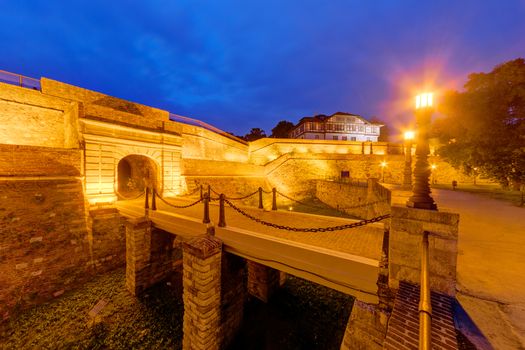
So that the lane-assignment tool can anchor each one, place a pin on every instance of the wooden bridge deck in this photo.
(346, 260)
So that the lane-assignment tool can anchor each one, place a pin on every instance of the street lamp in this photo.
(383, 166)
(421, 198)
(407, 173)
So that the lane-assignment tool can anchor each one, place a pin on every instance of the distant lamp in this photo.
(421, 198)
(433, 166)
(290, 208)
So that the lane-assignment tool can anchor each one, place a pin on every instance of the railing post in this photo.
(222, 216)
(274, 198)
(260, 198)
(146, 204)
(209, 191)
(206, 219)
(20, 80)
(201, 191)
(425, 306)
(154, 199)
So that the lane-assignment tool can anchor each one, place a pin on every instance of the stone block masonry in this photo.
(213, 294)
(151, 255)
(263, 281)
(44, 244)
(406, 230)
(366, 328)
(202, 293)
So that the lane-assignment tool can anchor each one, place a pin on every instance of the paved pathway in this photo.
(491, 263)
(363, 241)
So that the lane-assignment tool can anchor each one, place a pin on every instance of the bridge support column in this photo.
(213, 294)
(150, 255)
(263, 281)
(138, 249)
(366, 328)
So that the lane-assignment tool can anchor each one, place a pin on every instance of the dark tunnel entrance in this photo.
(135, 172)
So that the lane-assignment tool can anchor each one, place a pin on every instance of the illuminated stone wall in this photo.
(27, 117)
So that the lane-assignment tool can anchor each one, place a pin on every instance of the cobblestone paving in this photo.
(364, 241)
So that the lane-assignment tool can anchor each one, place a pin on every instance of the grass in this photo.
(493, 191)
(301, 315)
(151, 322)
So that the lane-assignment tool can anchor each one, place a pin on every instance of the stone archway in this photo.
(134, 173)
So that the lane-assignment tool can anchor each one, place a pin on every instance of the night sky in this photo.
(244, 64)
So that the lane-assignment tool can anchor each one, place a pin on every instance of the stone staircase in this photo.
(403, 326)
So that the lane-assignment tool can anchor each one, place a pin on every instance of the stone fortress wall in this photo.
(59, 153)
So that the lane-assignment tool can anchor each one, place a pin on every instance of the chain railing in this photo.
(300, 229)
(223, 199)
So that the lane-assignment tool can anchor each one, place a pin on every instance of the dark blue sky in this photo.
(239, 64)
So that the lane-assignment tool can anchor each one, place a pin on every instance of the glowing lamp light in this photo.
(424, 100)
(409, 135)
(384, 164)
(290, 208)
(433, 166)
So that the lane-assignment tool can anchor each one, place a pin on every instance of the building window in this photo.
(317, 137)
(336, 137)
(353, 138)
(344, 138)
(361, 128)
(368, 139)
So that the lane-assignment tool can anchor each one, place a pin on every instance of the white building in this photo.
(339, 126)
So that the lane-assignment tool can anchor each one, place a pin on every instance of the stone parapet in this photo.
(406, 231)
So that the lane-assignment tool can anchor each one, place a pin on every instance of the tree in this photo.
(255, 134)
(282, 129)
(483, 128)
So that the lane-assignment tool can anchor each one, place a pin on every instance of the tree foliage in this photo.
(255, 134)
(483, 128)
(282, 129)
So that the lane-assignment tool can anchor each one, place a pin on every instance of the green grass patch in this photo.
(153, 321)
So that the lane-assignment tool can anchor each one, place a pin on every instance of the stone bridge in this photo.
(67, 155)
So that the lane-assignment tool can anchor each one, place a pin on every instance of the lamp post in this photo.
(407, 173)
(383, 166)
(421, 198)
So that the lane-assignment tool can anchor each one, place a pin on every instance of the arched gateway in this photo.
(135, 173)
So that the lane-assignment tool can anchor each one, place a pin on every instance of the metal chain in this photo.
(130, 199)
(193, 192)
(298, 229)
(180, 206)
(267, 192)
